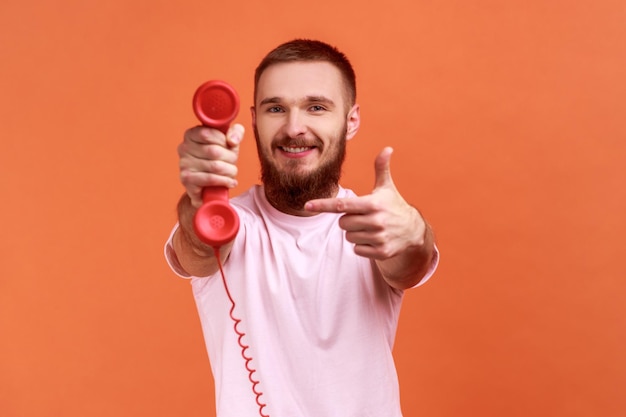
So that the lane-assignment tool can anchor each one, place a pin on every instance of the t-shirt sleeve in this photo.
(171, 258)
(433, 267)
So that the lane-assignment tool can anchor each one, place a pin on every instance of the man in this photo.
(317, 273)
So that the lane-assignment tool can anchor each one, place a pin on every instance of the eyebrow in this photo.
(308, 99)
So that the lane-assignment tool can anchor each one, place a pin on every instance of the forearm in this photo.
(407, 268)
(196, 257)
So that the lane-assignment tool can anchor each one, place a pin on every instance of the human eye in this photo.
(274, 109)
(316, 108)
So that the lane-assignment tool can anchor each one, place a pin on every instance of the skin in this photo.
(299, 112)
(299, 116)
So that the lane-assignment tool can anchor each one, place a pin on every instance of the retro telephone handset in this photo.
(216, 105)
(216, 223)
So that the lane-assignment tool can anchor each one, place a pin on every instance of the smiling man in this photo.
(317, 273)
(302, 120)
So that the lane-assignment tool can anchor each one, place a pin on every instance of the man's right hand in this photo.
(208, 158)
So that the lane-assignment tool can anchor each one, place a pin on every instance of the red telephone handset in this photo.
(216, 105)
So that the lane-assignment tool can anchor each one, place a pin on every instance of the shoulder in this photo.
(246, 198)
(246, 203)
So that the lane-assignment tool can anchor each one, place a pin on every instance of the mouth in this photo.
(296, 149)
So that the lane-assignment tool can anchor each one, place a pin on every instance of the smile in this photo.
(296, 150)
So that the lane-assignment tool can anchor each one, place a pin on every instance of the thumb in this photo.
(234, 136)
(382, 167)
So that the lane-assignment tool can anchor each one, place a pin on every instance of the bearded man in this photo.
(318, 273)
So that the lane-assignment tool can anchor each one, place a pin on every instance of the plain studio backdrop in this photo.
(508, 120)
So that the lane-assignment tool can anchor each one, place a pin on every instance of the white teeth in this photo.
(294, 150)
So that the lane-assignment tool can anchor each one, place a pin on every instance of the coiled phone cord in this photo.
(241, 335)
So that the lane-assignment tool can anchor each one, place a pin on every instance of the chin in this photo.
(298, 168)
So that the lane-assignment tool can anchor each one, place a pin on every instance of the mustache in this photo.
(298, 142)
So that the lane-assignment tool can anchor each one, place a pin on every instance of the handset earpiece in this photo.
(216, 105)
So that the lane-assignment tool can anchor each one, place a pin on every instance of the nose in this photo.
(295, 124)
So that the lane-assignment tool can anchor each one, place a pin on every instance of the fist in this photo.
(208, 158)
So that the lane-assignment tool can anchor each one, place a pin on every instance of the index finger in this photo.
(352, 205)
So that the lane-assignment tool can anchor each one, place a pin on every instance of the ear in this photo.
(353, 121)
(253, 114)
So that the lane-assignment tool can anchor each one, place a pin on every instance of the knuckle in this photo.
(379, 222)
(221, 168)
(211, 167)
(386, 252)
(377, 205)
(212, 152)
(383, 251)
(183, 149)
(186, 178)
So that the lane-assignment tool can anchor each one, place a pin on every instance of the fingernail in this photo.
(237, 134)
(234, 139)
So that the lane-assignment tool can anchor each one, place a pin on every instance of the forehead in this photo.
(296, 80)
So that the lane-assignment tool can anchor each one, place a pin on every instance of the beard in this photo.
(289, 190)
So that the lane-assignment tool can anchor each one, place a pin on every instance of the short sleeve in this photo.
(433, 267)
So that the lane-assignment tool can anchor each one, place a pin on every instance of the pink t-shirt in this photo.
(319, 319)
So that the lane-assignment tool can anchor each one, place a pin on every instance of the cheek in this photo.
(264, 146)
(333, 137)
(266, 130)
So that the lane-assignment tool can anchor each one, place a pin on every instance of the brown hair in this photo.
(305, 50)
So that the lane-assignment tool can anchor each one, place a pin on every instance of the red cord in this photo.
(241, 335)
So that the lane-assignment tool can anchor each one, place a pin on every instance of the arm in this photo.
(384, 227)
(207, 158)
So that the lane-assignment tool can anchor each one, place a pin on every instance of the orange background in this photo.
(509, 123)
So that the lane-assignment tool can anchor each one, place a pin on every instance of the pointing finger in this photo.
(354, 205)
